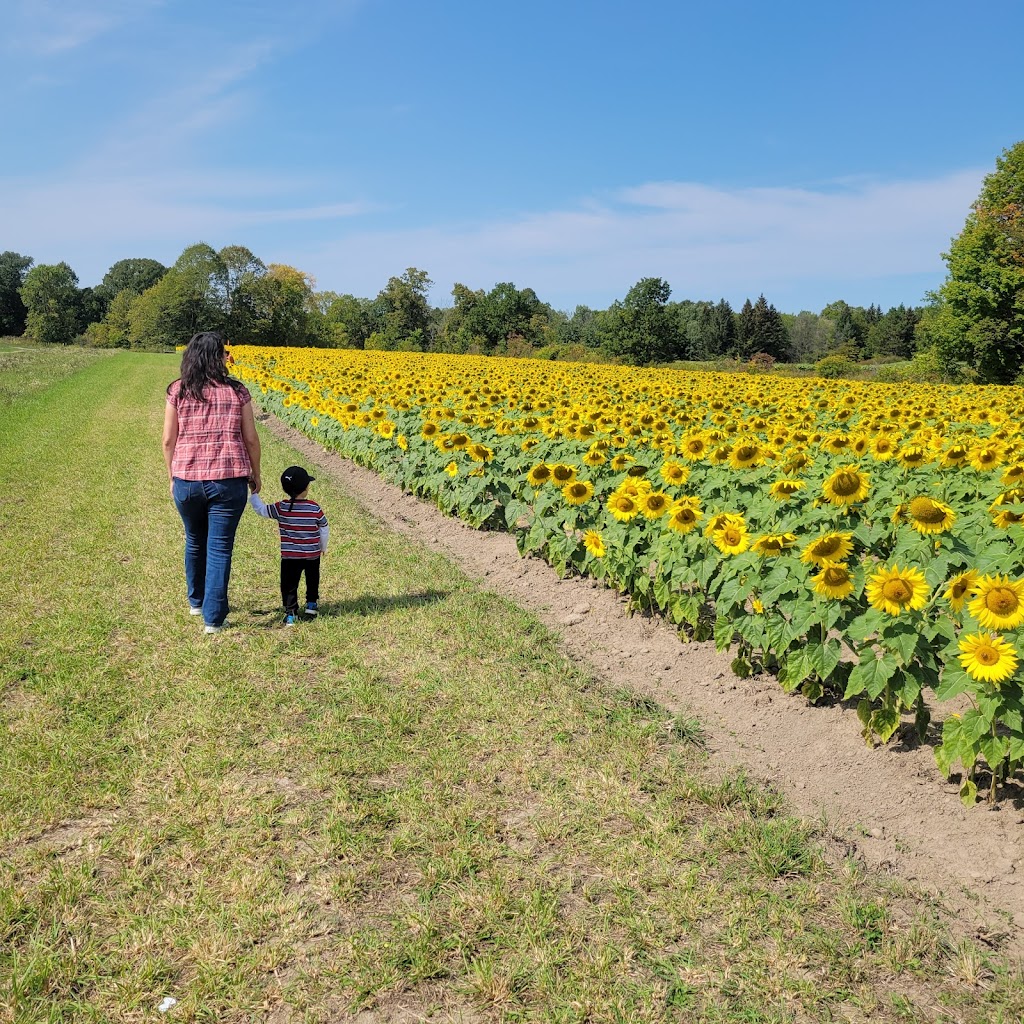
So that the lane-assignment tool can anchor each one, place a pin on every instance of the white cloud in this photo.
(705, 240)
(53, 28)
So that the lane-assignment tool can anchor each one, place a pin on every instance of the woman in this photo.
(212, 453)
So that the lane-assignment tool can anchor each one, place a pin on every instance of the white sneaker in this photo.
(214, 629)
(193, 610)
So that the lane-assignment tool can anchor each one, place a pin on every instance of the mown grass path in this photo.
(414, 801)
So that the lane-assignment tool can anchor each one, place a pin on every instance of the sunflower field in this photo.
(861, 540)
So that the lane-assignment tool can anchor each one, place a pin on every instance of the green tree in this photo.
(13, 314)
(401, 311)
(238, 293)
(282, 303)
(893, 333)
(761, 329)
(340, 321)
(980, 318)
(50, 294)
(114, 330)
(187, 299)
(638, 328)
(133, 275)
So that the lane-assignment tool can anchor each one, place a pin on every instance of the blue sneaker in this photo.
(289, 620)
(311, 609)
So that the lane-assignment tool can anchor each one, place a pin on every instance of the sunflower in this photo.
(693, 447)
(452, 469)
(623, 507)
(731, 539)
(988, 658)
(746, 455)
(480, 453)
(403, 442)
(830, 547)
(654, 504)
(594, 543)
(562, 474)
(674, 473)
(883, 448)
(998, 602)
(722, 519)
(594, 457)
(834, 581)
(846, 486)
(926, 515)
(539, 475)
(459, 440)
(783, 490)
(428, 430)
(1007, 518)
(579, 492)
(621, 462)
(893, 590)
(959, 587)
(986, 457)
(771, 544)
(913, 456)
(683, 517)
(1013, 474)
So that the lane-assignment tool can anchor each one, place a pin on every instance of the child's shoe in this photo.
(311, 609)
(289, 620)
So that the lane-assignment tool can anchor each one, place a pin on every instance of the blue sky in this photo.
(808, 151)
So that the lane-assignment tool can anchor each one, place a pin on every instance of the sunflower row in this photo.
(848, 537)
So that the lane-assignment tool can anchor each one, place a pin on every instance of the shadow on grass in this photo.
(368, 604)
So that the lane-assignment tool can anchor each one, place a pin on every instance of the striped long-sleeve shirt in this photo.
(303, 525)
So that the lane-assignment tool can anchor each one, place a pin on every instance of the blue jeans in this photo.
(210, 511)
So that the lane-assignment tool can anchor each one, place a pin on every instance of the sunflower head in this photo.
(926, 515)
(998, 602)
(683, 517)
(783, 490)
(731, 539)
(896, 590)
(654, 504)
(594, 543)
(539, 475)
(578, 492)
(772, 544)
(846, 486)
(959, 587)
(987, 657)
(830, 547)
(834, 581)
(563, 474)
(623, 507)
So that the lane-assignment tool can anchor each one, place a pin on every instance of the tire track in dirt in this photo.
(889, 807)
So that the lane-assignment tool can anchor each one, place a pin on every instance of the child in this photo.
(304, 534)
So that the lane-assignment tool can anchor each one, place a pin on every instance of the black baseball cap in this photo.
(294, 480)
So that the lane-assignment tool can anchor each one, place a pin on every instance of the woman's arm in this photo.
(170, 438)
(252, 444)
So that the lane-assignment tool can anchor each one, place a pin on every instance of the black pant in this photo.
(291, 572)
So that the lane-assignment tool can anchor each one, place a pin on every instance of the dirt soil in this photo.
(889, 807)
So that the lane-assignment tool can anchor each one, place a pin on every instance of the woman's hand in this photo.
(255, 483)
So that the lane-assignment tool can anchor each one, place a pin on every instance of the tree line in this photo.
(972, 327)
(142, 304)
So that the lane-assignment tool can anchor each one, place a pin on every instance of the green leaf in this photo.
(871, 674)
(968, 793)
(796, 668)
(724, 633)
(824, 657)
(954, 681)
(885, 721)
(994, 749)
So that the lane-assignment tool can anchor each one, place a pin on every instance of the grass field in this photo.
(415, 802)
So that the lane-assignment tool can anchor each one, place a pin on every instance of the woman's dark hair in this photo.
(202, 363)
